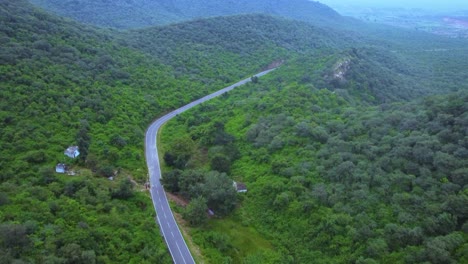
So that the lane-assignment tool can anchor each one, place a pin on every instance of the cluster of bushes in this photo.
(209, 188)
(333, 182)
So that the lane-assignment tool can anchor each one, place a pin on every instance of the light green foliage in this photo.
(85, 224)
(327, 174)
(230, 239)
(334, 182)
(65, 84)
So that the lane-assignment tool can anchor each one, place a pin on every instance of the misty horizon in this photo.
(451, 5)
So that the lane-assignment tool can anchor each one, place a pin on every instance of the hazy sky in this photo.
(426, 4)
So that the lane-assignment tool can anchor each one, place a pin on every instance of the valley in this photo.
(449, 24)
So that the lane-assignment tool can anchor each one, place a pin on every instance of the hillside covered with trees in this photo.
(125, 14)
(323, 144)
(67, 84)
(329, 182)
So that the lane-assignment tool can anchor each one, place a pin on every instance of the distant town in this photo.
(453, 25)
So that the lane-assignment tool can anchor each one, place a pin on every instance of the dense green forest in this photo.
(65, 84)
(125, 14)
(376, 70)
(331, 106)
(59, 85)
(331, 182)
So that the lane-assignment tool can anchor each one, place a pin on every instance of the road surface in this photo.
(171, 232)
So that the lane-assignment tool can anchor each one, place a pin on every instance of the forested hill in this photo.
(66, 84)
(378, 63)
(328, 182)
(58, 72)
(63, 84)
(143, 13)
(214, 42)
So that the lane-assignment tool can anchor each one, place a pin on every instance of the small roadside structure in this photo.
(210, 212)
(61, 168)
(239, 186)
(72, 152)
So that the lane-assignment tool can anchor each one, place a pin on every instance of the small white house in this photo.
(72, 152)
(60, 168)
(239, 186)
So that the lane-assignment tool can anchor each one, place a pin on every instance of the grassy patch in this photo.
(242, 240)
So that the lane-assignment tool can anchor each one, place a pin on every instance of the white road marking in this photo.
(177, 244)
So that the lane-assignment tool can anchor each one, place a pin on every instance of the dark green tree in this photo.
(83, 139)
(14, 237)
(196, 211)
(219, 192)
(171, 179)
(125, 190)
(221, 163)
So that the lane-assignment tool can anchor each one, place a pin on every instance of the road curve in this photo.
(171, 232)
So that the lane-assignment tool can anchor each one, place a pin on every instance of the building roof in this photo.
(72, 151)
(61, 168)
(240, 187)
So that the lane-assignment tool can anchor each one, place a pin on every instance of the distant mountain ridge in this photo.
(125, 14)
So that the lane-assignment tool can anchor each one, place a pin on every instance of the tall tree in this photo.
(83, 139)
(195, 212)
(221, 195)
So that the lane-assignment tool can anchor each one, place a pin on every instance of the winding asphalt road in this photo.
(171, 232)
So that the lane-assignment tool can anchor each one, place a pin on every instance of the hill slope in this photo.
(64, 84)
(60, 82)
(376, 70)
(144, 13)
(329, 182)
(383, 64)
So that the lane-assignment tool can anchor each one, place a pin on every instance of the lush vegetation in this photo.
(65, 84)
(305, 140)
(56, 219)
(60, 82)
(334, 182)
(376, 76)
(125, 14)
